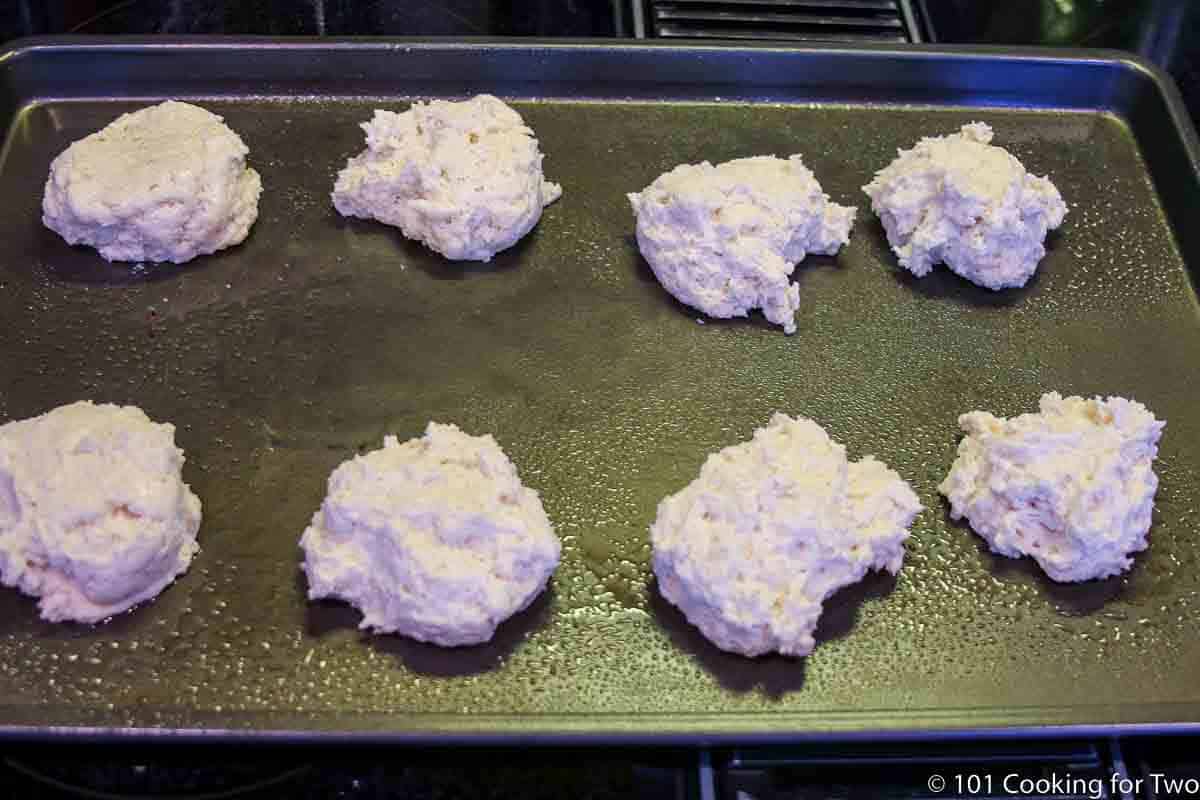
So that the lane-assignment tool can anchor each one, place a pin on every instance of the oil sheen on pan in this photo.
(280, 358)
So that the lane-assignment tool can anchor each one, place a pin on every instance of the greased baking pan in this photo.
(280, 358)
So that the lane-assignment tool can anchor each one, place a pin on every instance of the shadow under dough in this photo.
(775, 675)
(944, 284)
(82, 265)
(755, 319)
(1069, 599)
(323, 617)
(417, 255)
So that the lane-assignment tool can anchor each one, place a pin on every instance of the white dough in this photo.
(961, 201)
(435, 538)
(1072, 486)
(165, 183)
(751, 549)
(94, 516)
(464, 178)
(726, 239)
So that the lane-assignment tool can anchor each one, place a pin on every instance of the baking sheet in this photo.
(280, 358)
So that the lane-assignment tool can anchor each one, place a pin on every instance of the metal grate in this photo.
(784, 20)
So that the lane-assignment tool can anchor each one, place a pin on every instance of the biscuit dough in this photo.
(726, 239)
(165, 183)
(94, 514)
(435, 538)
(464, 178)
(750, 550)
(962, 201)
(1072, 486)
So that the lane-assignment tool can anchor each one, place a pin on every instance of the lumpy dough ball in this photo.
(964, 202)
(465, 178)
(750, 550)
(726, 239)
(435, 538)
(166, 183)
(94, 514)
(1072, 486)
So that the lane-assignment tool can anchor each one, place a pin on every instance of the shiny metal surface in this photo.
(282, 357)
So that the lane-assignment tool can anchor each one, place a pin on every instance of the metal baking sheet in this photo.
(282, 357)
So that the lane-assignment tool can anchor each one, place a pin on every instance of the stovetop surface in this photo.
(328, 17)
(1066, 770)
(1166, 31)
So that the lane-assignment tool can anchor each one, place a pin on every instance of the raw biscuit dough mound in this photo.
(435, 538)
(94, 516)
(464, 178)
(726, 239)
(166, 183)
(751, 549)
(961, 201)
(1072, 486)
